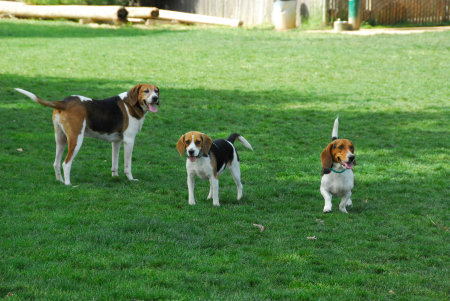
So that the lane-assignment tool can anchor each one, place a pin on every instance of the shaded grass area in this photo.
(108, 238)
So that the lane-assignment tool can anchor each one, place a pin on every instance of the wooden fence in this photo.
(376, 12)
(389, 12)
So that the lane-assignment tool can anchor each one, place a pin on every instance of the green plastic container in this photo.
(354, 17)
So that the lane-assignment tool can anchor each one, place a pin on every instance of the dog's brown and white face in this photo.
(146, 96)
(194, 143)
(339, 151)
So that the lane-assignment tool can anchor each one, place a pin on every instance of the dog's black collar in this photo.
(202, 154)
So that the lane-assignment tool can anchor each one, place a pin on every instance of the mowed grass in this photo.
(110, 238)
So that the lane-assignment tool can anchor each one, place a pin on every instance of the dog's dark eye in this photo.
(188, 142)
(341, 147)
(352, 148)
(146, 90)
(197, 142)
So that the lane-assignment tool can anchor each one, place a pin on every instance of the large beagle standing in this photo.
(207, 159)
(115, 119)
(338, 160)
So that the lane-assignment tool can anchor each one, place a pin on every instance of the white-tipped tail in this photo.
(29, 94)
(334, 134)
(245, 142)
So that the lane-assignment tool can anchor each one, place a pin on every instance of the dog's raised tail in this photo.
(334, 134)
(235, 136)
(52, 104)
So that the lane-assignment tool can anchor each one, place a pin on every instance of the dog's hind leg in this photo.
(214, 184)
(75, 140)
(61, 142)
(235, 171)
(210, 191)
(115, 158)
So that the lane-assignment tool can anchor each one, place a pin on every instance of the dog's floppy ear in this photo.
(133, 95)
(180, 146)
(326, 158)
(206, 145)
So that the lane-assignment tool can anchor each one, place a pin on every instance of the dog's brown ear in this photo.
(180, 146)
(207, 142)
(133, 95)
(326, 158)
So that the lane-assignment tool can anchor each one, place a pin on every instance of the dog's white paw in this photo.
(349, 203)
(342, 209)
(326, 210)
(216, 204)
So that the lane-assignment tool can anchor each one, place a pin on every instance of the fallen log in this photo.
(142, 12)
(100, 13)
(196, 18)
(91, 12)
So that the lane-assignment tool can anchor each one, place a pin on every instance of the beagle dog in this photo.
(115, 119)
(338, 160)
(207, 159)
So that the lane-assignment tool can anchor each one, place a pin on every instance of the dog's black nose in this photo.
(191, 152)
(154, 98)
(351, 158)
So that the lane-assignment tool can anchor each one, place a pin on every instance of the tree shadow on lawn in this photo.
(65, 30)
(287, 142)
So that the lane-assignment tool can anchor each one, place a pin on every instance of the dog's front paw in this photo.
(115, 174)
(349, 203)
(326, 210)
(216, 204)
(191, 202)
(130, 177)
(342, 209)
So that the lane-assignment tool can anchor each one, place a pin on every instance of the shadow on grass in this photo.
(66, 30)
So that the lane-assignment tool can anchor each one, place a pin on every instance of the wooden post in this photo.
(325, 15)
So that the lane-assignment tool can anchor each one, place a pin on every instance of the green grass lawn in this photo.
(110, 239)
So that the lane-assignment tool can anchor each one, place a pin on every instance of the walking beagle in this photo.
(207, 159)
(115, 119)
(338, 160)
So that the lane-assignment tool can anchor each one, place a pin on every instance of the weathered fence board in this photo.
(389, 12)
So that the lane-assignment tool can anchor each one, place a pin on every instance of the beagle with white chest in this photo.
(115, 119)
(207, 159)
(338, 159)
